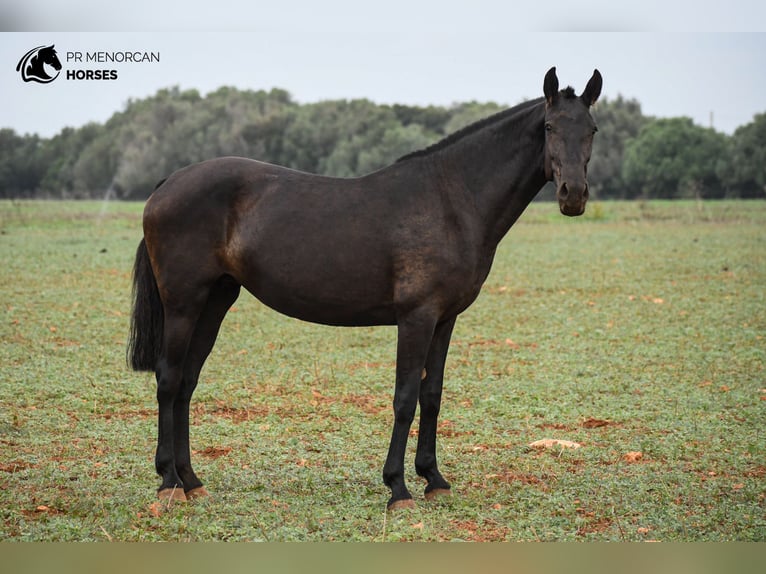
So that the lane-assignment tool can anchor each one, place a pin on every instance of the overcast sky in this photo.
(711, 67)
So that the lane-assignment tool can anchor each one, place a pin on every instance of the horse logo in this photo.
(33, 65)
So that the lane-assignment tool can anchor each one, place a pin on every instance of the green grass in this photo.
(637, 328)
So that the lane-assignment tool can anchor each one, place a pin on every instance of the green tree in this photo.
(22, 164)
(151, 140)
(633, 156)
(365, 153)
(673, 158)
(431, 119)
(15, 180)
(313, 132)
(618, 121)
(744, 172)
(464, 114)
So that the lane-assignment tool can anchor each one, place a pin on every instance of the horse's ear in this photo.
(593, 89)
(551, 86)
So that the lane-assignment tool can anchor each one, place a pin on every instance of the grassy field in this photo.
(636, 331)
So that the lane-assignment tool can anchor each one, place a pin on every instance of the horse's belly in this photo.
(327, 289)
(319, 307)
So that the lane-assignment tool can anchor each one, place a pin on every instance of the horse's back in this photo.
(211, 199)
(220, 180)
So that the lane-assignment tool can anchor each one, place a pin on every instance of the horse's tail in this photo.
(147, 318)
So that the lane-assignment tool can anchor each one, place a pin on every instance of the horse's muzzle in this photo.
(572, 198)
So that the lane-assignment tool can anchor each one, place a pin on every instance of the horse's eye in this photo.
(548, 126)
(595, 129)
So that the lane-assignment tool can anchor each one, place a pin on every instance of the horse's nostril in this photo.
(563, 191)
(585, 194)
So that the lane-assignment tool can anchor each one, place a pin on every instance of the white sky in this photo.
(393, 51)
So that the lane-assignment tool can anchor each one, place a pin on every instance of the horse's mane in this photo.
(471, 128)
(567, 93)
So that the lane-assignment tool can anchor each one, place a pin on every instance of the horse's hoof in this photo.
(399, 504)
(199, 492)
(437, 493)
(172, 495)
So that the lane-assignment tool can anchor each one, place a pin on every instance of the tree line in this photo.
(634, 155)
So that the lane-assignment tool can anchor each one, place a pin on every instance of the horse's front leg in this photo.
(414, 337)
(430, 403)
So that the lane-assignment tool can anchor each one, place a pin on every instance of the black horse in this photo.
(32, 64)
(409, 245)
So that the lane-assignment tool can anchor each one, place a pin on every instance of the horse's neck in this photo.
(502, 166)
(36, 64)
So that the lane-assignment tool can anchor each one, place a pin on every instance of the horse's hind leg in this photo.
(183, 313)
(179, 325)
(222, 296)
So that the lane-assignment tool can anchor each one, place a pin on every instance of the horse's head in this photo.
(569, 130)
(48, 55)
